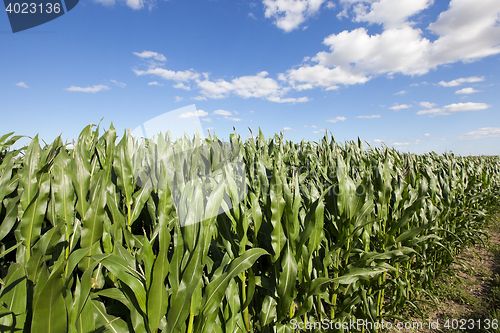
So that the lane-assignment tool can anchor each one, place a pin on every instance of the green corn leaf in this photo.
(121, 269)
(33, 216)
(108, 322)
(49, 309)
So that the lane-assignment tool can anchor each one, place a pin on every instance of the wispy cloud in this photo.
(402, 92)
(119, 84)
(466, 91)
(199, 113)
(457, 82)
(369, 117)
(92, 89)
(427, 105)
(454, 108)
(151, 54)
(233, 118)
(481, 133)
(222, 112)
(336, 119)
(398, 107)
(287, 128)
(208, 120)
(181, 85)
(178, 98)
(154, 83)
(21, 84)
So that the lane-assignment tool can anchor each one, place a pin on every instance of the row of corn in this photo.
(189, 235)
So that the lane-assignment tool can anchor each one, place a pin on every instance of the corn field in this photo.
(111, 235)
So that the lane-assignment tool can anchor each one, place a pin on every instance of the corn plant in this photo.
(123, 234)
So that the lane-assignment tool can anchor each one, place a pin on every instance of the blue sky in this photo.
(417, 75)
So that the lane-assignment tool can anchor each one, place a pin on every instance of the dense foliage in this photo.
(94, 238)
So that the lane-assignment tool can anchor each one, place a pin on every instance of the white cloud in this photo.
(398, 107)
(330, 5)
(319, 131)
(428, 105)
(369, 117)
(222, 113)
(252, 16)
(199, 113)
(200, 98)
(21, 84)
(119, 84)
(181, 85)
(427, 134)
(287, 128)
(154, 83)
(208, 120)
(453, 108)
(151, 54)
(178, 98)
(92, 89)
(402, 92)
(377, 140)
(289, 14)
(466, 31)
(390, 13)
(481, 133)
(258, 86)
(168, 74)
(321, 76)
(233, 119)
(401, 143)
(457, 82)
(314, 126)
(336, 119)
(467, 91)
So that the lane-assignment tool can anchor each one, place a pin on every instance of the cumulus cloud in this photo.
(398, 107)
(369, 117)
(466, 31)
(481, 133)
(336, 119)
(21, 84)
(92, 89)
(151, 54)
(290, 14)
(258, 86)
(199, 113)
(457, 82)
(467, 91)
(454, 108)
